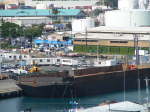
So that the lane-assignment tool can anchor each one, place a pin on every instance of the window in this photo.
(118, 41)
(20, 57)
(48, 60)
(54, 18)
(58, 60)
(66, 60)
(86, 40)
(99, 62)
(14, 57)
(41, 60)
(66, 18)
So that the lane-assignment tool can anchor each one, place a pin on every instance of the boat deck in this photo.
(42, 81)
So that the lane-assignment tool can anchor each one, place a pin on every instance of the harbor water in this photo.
(18, 104)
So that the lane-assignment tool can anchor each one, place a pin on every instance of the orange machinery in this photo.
(132, 67)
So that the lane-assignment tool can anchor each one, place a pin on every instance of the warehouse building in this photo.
(38, 16)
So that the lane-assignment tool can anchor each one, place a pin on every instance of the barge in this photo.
(82, 82)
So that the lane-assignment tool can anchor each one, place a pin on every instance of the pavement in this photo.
(8, 85)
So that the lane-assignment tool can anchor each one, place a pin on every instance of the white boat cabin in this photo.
(102, 63)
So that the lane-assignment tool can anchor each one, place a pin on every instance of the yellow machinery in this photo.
(34, 69)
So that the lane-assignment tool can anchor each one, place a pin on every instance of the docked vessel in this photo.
(82, 82)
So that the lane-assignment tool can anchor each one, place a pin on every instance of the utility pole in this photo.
(86, 38)
(136, 49)
(0, 47)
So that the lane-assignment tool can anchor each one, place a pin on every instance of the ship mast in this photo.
(147, 89)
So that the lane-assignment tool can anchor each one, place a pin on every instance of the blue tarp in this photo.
(22, 63)
(61, 26)
(38, 41)
(69, 42)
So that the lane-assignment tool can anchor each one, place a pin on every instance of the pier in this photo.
(8, 88)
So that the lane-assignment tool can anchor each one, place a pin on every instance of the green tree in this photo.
(10, 30)
(32, 32)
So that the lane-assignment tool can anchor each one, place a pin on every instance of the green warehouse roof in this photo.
(39, 12)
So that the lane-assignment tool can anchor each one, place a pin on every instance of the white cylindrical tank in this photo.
(127, 18)
(127, 4)
(143, 4)
(81, 25)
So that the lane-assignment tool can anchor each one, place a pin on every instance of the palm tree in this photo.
(55, 11)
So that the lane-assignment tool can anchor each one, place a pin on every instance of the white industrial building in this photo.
(46, 4)
(61, 3)
(28, 20)
(81, 25)
(14, 56)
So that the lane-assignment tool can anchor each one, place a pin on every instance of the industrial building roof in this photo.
(116, 33)
(121, 30)
(38, 12)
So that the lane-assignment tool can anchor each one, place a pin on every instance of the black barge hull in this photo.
(111, 82)
(93, 84)
(50, 91)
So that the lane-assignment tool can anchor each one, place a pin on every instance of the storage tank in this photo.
(81, 25)
(127, 18)
(127, 4)
(143, 4)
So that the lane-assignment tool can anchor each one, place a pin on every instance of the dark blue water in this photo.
(59, 105)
